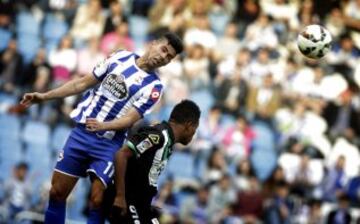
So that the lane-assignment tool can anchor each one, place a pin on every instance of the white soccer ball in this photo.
(314, 41)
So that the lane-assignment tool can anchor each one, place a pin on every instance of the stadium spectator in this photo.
(89, 22)
(88, 57)
(11, 67)
(340, 214)
(196, 68)
(37, 75)
(221, 196)
(18, 191)
(115, 17)
(117, 39)
(279, 208)
(195, 209)
(243, 174)
(216, 167)
(63, 61)
(249, 204)
(238, 140)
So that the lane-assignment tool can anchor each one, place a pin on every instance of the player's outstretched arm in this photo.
(70, 88)
(117, 124)
(121, 159)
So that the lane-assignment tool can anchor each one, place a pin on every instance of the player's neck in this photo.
(141, 63)
(175, 130)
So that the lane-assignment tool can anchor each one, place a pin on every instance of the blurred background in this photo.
(279, 135)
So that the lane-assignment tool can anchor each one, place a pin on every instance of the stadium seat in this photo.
(53, 30)
(204, 99)
(218, 22)
(59, 136)
(264, 137)
(263, 162)
(26, 23)
(6, 101)
(10, 130)
(38, 156)
(181, 165)
(28, 45)
(36, 133)
(138, 28)
(5, 37)
(10, 154)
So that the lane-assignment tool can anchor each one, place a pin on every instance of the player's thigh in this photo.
(62, 185)
(97, 191)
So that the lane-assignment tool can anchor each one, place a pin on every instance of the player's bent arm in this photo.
(121, 159)
(124, 122)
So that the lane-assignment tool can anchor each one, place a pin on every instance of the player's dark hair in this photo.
(175, 41)
(185, 111)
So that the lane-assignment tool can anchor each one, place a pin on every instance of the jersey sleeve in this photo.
(105, 66)
(144, 140)
(149, 97)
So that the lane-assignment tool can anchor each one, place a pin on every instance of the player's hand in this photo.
(32, 98)
(93, 125)
(119, 208)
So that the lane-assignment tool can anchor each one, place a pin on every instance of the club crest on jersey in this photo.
(115, 84)
(144, 145)
(61, 155)
(154, 138)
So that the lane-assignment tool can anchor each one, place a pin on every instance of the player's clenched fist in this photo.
(31, 98)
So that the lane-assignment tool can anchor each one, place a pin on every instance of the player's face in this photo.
(160, 53)
(189, 132)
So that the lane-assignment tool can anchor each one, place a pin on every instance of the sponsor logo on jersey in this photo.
(115, 84)
(144, 145)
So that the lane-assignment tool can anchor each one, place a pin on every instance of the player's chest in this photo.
(122, 82)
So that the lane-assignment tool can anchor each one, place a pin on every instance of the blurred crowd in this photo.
(279, 135)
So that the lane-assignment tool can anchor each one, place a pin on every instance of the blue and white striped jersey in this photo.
(123, 85)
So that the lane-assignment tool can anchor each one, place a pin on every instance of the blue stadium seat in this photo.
(59, 137)
(10, 154)
(38, 156)
(10, 128)
(36, 133)
(53, 30)
(204, 99)
(5, 37)
(181, 165)
(26, 23)
(138, 28)
(263, 162)
(28, 45)
(264, 137)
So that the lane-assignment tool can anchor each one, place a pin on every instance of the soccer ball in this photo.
(314, 41)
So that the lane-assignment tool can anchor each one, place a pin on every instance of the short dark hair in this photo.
(175, 41)
(185, 111)
(22, 165)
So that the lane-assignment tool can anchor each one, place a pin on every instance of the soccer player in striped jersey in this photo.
(123, 88)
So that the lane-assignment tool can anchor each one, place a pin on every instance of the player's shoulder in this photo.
(120, 53)
(154, 133)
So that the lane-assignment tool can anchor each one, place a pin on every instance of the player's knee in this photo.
(96, 199)
(57, 194)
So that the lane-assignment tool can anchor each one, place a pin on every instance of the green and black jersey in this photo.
(152, 146)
